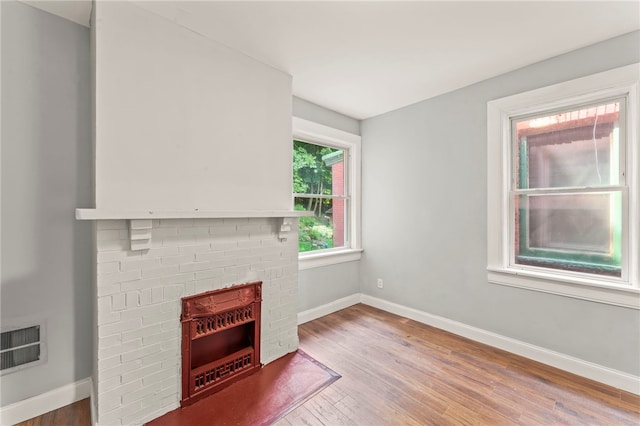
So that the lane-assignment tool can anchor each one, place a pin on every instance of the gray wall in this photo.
(46, 159)
(312, 112)
(319, 286)
(424, 218)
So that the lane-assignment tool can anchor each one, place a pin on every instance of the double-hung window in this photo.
(326, 172)
(563, 188)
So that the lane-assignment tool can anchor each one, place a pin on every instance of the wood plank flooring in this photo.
(396, 371)
(76, 414)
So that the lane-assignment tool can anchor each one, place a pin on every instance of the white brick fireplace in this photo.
(137, 367)
(183, 126)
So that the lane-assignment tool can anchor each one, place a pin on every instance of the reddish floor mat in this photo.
(259, 399)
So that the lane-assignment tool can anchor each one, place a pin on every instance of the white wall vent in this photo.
(21, 348)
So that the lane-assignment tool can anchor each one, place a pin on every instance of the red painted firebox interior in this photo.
(220, 339)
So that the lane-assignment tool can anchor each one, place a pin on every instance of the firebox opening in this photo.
(217, 346)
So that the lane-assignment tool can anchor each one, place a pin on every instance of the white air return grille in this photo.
(20, 347)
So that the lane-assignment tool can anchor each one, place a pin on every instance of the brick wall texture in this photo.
(138, 303)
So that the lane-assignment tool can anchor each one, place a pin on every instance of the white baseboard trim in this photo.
(329, 308)
(43, 403)
(599, 373)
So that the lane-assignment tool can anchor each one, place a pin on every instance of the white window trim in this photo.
(622, 81)
(309, 131)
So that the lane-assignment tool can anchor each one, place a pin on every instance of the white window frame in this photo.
(309, 131)
(619, 82)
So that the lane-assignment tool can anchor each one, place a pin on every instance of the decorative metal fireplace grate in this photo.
(220, 339)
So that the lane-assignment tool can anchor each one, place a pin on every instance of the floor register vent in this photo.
(21, 348)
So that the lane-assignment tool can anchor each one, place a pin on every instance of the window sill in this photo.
(587, 289)
(327, 257)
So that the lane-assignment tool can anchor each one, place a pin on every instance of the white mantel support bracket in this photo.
(285, 228)
(140, 234)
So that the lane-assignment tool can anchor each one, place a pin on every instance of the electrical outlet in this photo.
(380, 283)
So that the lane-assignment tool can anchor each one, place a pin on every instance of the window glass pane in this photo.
(579, 232)
(317, 169)
(326, 228)
(576, 147)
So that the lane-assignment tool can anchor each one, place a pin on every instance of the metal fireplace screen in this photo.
(220, 339)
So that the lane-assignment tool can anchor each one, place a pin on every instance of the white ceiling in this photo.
(364, 58)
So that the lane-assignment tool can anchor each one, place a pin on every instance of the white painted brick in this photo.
(108, 268)
(137, 417)
(113, 245)
(168, 400)
(195, 248)
(108, 317)
(156, 295)
(161, 356)
(132, 299)
(111, 418)
(157, 253)
(193, 231)
(104, 304)
(259, 256)
(173, 292)
(179, 223)
(119, 369)
(108, 235)
(140, 264)
(144, 297)
(117, 393)
(173, 363)
(108, 402)
(179, 241)
(190, 288)
(161, 233)
(110, 362)
(178, 279)
(241, 269)
(119, 277)
(226, 236)
(235, 221)
(140, 353)
(118, 301)
(150, 379)
(141, 372)
(107, 385)
(141, 311)
(109, 341)
(206, 285)
(209, 273)
(122, 326)
(209, 256)
(270, 242)
(141, 332)
(175, 260)
(152, 318)
(130, 409)
(111, 224)
(161, 271)
(194, 266)
(140, 284)
(218, 245)
(161, 337)
(109, 256)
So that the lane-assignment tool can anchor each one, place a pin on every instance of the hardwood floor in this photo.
(76, 414)
(396, 371)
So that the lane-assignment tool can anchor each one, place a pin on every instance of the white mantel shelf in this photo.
(105, 214)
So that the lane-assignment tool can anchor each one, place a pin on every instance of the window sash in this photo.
(564, 261)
